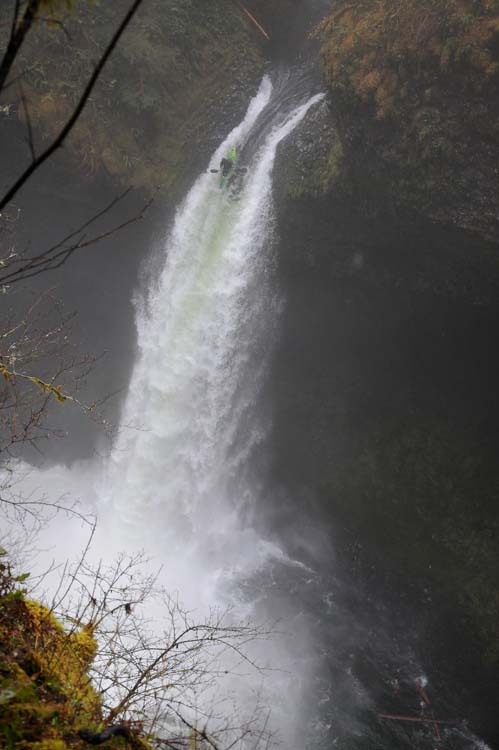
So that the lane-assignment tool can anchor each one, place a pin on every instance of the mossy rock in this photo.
(45, 690)
(311, 159)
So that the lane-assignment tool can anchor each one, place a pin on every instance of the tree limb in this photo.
(31, 142)
(58, 254)
(17, 37)
(59, 140)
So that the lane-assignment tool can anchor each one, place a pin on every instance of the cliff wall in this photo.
(385, 408)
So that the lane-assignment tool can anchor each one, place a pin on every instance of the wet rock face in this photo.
(311, 158)
(388, 203)
(384, 397)
(431, 169)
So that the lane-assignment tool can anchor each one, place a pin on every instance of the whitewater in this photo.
(177, 478)
(180, 482)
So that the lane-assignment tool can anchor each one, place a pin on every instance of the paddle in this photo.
(243, 170)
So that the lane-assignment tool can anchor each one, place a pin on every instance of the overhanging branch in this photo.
(59, 140)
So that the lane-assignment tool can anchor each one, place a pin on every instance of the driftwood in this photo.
(253, 20)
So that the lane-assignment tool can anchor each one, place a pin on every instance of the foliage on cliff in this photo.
(161, 94)
(413, 85)
(46, 695)
(379, 49)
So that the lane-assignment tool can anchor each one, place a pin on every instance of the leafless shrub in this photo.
(157, 665)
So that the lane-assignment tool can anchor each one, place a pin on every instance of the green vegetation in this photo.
(378, 51)
(413, 96)
(46, 695)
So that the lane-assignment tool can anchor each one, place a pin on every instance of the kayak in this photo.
(225, 179)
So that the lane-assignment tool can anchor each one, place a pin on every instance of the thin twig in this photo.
(52, 262)
(17, 37)
(31, 142)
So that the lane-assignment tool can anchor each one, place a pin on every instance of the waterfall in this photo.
(176, 481)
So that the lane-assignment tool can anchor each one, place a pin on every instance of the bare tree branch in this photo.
(17, 36)
(59, 140)
(30, 507)
(165, 676)
(31, 142)
(58, 254)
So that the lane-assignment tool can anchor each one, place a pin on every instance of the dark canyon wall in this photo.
(383, 386)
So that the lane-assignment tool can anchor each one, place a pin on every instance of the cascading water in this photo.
(175, 479)
(177, 482)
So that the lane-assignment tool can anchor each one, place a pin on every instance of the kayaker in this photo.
(226, 166)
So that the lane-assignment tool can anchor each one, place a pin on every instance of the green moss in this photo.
(45, 692)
